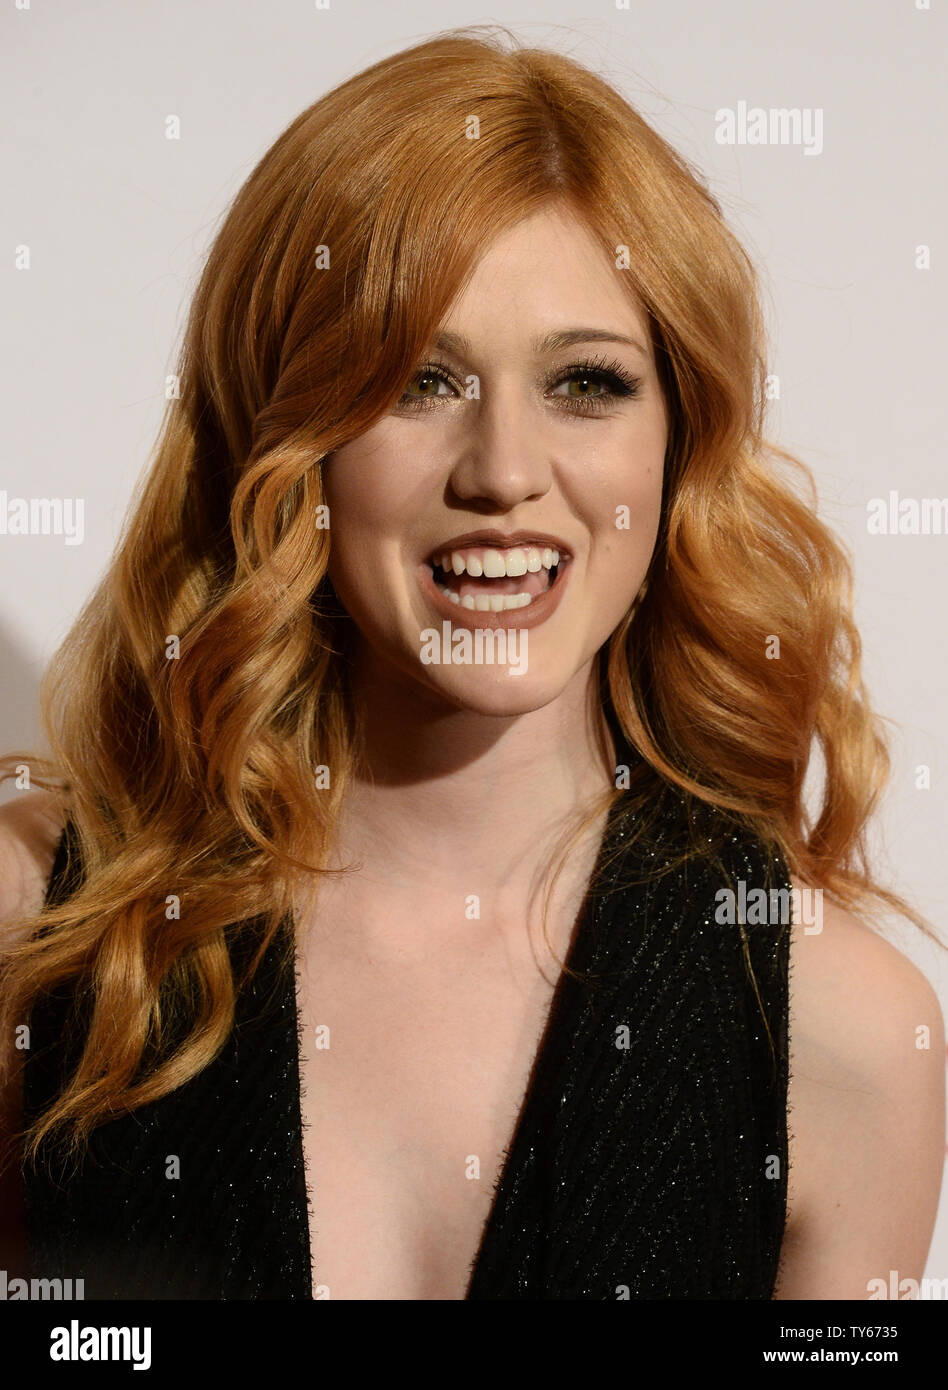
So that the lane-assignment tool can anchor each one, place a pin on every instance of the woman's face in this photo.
(510, 445)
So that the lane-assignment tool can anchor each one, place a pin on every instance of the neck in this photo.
(447, 791)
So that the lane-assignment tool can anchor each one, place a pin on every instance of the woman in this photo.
(473, 357)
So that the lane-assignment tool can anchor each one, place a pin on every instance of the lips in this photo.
(521, 599)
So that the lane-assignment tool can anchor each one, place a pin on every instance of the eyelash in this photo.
(609, 373)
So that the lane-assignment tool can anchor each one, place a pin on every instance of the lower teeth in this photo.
(487, 603)
(494, 603)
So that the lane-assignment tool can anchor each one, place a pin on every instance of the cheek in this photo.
(374, 488)
(623, 525)
(623, 509)
(354, 492)
(365, 509)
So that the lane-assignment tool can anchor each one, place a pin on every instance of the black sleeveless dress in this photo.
(649, 1159)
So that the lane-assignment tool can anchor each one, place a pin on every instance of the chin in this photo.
(499, 693)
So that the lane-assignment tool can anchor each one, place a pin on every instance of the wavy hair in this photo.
(205, 681)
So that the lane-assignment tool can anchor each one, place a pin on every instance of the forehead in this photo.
(545, 273)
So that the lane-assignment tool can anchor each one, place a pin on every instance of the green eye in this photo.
(429, 381)
(584, 381)
(592, 386)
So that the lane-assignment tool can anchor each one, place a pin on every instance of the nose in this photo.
(502, 460)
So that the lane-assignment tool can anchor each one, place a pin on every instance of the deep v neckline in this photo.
(582, 937)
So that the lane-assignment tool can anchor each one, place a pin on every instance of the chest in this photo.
(638, 1167)
(414, 1066)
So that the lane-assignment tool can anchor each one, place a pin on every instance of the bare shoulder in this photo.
(30, 827)
(866, 1111)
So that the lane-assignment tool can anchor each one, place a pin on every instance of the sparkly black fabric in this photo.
(649, 1160)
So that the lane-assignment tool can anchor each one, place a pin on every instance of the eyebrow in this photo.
(550, 342)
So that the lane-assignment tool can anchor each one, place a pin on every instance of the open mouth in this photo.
(490, 580)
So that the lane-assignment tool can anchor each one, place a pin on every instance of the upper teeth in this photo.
(498, 563)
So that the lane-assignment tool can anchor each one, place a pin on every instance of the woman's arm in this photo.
(30, 827)
(867, 1113)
